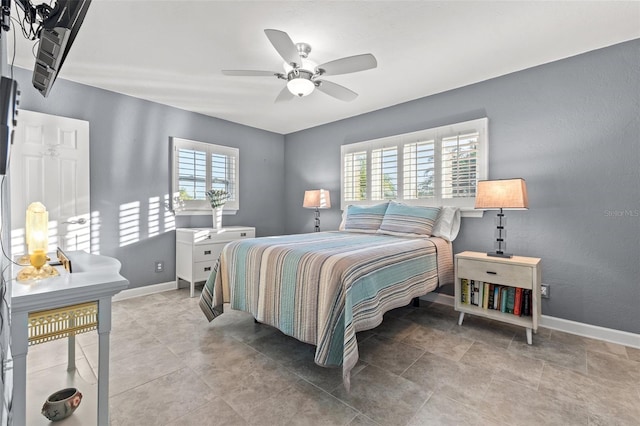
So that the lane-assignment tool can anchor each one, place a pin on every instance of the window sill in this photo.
(471, 213)
(225, 212)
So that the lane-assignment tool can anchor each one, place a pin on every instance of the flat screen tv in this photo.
(59, 27)
(9, 95)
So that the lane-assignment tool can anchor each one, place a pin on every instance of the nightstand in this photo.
(503, 289)
(198, 249)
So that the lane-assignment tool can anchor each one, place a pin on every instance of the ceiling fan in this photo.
(303, 75)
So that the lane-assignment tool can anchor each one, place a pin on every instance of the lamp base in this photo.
(32, 273)
(500, 254)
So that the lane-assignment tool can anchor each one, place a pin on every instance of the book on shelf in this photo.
(511, 296)
(464, 291)
(480, 300)
(491, 296)
(497, 292)
(474, 292)
(485, 296)
(503, 299)
(526, 303)
(517, 303)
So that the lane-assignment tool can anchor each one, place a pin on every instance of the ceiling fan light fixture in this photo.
(300, 86)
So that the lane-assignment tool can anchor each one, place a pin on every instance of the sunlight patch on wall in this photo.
(18, 242)
(129, 223)
(53, 238)
(153, 222)
(169, 216)
(95, 232)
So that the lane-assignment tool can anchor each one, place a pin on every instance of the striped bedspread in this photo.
(322, 288)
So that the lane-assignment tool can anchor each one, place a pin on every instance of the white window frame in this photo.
(202, 207)
(466, 204)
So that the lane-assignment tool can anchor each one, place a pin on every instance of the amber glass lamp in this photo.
(37, 233)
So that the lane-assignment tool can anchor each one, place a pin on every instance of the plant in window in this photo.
(217, 197)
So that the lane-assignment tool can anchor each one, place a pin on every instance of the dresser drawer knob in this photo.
(492, 273)
(207, 252)
(208, 268)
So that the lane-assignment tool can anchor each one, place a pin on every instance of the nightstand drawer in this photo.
(495, 273)
(207, 252)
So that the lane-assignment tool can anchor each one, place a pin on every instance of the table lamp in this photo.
(317, 199)
(37, 233)
(501, 194)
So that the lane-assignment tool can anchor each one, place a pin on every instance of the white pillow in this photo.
(447, 223)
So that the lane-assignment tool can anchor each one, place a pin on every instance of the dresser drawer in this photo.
(236, 235)
(207, 252)
(208, 237)
(202, 270)
(495, 273)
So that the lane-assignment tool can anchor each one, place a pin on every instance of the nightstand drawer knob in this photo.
(208, 268)
(207, 252)
(492, 273)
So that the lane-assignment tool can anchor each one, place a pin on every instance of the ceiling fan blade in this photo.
(250, 73)
(336, 90)
(285, 95)
(349, 64)
(284, 45)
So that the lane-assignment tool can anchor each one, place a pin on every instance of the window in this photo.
(198, 167)
(432, 167)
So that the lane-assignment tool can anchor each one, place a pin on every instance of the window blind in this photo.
(355, 176)
(384, 173)
(419, 170)
(459, 165)
(223, 172)
(192, 174)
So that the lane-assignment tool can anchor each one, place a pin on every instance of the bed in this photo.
(323, 288)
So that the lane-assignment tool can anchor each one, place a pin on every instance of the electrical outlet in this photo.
(544, 291)
(159, 265)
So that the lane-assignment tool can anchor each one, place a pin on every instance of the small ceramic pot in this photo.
(61, 404)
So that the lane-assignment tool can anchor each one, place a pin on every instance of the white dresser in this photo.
(198, 249)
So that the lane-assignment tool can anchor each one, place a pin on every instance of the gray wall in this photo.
(129, 152)
(571, 129)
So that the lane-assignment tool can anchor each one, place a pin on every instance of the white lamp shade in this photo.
(502, 194)
(317, 199)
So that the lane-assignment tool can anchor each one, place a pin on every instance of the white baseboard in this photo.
(573, 327)
(592, 331)
(145, 290)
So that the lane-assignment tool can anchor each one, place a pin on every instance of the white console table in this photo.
(94, 279)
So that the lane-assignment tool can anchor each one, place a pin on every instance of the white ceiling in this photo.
(172, 52)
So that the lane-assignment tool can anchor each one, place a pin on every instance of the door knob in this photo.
(80, 221)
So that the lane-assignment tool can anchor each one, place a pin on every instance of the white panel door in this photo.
(50, 164)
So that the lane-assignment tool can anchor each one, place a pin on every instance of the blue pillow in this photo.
(408, 221)
(365, 218)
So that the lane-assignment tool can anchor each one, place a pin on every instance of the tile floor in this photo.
(169, 366)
